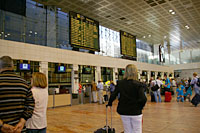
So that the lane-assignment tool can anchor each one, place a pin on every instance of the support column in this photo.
(115, 75)
(75, 79)
(148, 76)
(156, 75)
(97, 74)
(44, 69)
(139, 73)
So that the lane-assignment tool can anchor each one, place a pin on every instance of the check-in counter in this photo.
(59, 97)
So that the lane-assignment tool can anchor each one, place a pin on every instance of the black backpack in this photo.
(155, 87)
(198, 82)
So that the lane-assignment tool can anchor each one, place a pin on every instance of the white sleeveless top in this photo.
(38, 119)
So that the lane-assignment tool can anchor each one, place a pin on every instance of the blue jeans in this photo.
(43, 130)
(157, 93)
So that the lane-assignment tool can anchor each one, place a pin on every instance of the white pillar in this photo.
(97, 73)
(148, 76)
(75, 79)
(156, 75)
(115, 75)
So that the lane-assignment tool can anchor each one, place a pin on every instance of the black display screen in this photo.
(128, 44)
(84, 32)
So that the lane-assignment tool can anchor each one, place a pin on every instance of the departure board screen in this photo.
(84, 32)
(128, 44)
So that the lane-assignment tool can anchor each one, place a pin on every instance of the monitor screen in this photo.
(24, 66)
(61, 69)
(87, 70)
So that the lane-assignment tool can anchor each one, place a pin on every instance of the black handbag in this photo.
(155, 87)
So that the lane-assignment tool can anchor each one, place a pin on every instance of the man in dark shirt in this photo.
(16, 99)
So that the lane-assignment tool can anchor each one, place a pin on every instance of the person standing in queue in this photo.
(167, 83)
(38, 122)
(94, 92)
(100, 90)
(16, 99)
(132, 100)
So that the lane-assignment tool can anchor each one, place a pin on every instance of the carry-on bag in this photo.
(196, 100)
(106, 129)
(168, 96)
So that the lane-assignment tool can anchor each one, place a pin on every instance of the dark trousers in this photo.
(43, 130)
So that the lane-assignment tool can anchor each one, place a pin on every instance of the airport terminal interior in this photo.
(78, 42)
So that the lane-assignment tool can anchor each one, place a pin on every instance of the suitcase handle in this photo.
(107, 118)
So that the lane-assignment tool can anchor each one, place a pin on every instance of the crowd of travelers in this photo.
(23, 107)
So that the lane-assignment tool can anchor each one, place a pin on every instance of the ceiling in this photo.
(149, 18)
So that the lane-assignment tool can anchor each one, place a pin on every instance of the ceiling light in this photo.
(30, 31)
(165, 37)
(144, 36)
(187, 27)
(6, 36)
(149, 35)
(2, 32)
(170, 10)
(173, 13)
(35, 33)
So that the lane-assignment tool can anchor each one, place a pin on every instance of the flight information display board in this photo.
(128, 44)
(84, 32)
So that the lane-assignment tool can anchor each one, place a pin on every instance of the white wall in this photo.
(19, 50)
(187, 70)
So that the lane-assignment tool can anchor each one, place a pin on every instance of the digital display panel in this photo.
(128, 44)
(84, 32)
(24, 66)
(61, 69)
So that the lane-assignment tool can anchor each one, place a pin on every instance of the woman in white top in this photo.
(38, 122)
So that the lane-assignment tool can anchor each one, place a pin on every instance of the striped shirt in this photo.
(16, 99)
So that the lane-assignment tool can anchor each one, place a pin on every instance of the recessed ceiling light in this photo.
(144, 36)
(173, 13)
(8, 34)
(35, 33)
(170, 10)
(165, 37)
(30, 31)
(149, 35)
(187, 27)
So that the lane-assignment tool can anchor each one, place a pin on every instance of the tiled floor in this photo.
(162, 117)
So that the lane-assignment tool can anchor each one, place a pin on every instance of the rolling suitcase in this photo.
(106, 129)
(196, 100)
(168, 96)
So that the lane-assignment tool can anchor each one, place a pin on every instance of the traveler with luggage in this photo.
(196, 85)
(132, 100)
(157, 85)
(167, 84)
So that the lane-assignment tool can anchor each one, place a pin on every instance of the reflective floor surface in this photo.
(162, 117)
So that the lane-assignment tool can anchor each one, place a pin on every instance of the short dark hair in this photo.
(6, 62)
(158, 77)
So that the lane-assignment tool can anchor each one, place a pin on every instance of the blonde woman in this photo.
(131, 101)
(38, 123)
